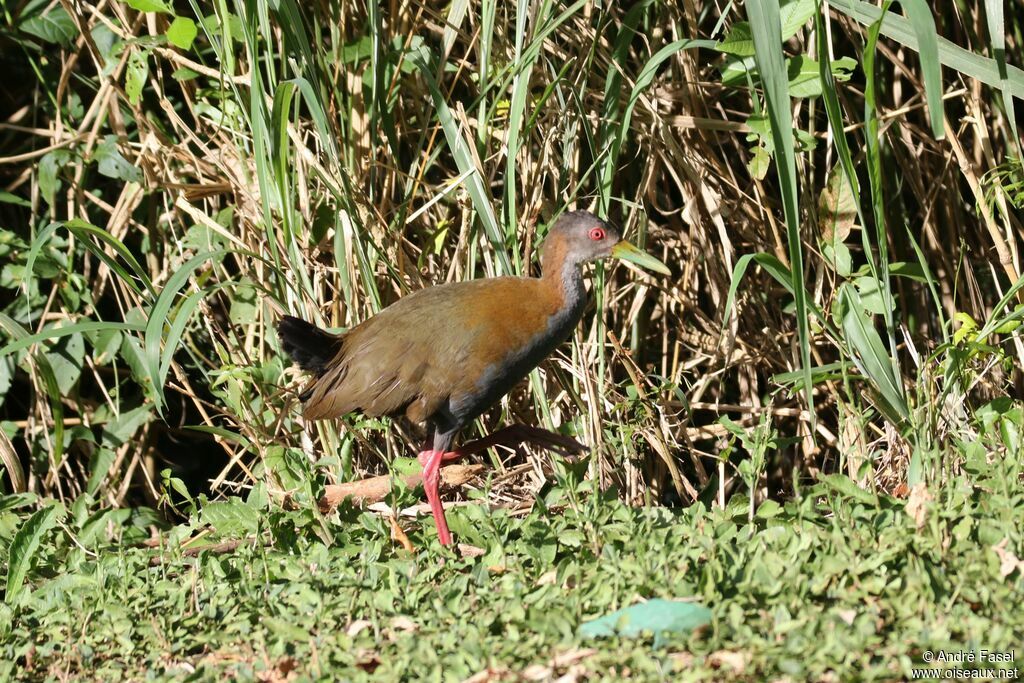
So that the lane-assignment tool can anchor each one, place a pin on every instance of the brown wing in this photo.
(429, 346)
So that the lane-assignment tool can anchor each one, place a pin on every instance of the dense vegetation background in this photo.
(177, 178)
(838, 199)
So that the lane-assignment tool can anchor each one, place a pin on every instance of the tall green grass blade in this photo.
(297, 45)
(488, 9)
(923, 24)
(83, 231)
(226, 434)
(932, 283)
(621, 131)
(478, 193)
(767, 29)
(873, 152)
(260, 126)
(158, 317)
(998, 318)
(997, 38)
(951, 55)
(316, 112)
(11, 463)
(227, 52)
(836, 121)
(49, 380)
(377, 107)
(523, 69)
(456, 14)
(51, 333)
(181, 318)
(781, 274)
(609, 135)
(283, 98)
(843, 485)
(870, 356)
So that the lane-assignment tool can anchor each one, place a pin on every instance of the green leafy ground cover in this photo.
(836, 585)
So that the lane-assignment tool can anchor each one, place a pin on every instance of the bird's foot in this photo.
(431, 462)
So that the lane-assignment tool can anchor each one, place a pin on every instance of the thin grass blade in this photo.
(767, 29)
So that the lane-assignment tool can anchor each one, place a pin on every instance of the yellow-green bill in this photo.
(627, 252)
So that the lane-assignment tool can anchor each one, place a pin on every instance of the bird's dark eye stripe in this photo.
(597, 234)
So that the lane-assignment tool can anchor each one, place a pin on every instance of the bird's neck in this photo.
(564, 279)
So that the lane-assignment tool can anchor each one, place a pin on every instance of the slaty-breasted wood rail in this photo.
(445, 354)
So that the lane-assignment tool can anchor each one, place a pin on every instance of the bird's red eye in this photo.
(597, 234)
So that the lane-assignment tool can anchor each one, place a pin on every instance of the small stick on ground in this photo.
(377, 488)
(215, 548)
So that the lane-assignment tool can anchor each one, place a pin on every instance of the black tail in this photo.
(308, 345)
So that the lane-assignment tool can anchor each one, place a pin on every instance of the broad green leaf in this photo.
(122, 428)
(66, 359)
(737, 72)
(739, 41)
(49, 167)
(838, 256)
(184, 74)
(805, 79)
(244, 303)
(231, 517)
(54, 25)
(842, 484)
(871, 297)
(108, 44)
(105, 344)
(150, 6)
(760, 162)
(656, 617)
(136, 74)
(14, 501)
(112, 164)
(99, 467)
(794, 15)
(182, 32)
(281, 464)
(25, 544)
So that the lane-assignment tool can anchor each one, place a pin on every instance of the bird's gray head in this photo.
(579, 236)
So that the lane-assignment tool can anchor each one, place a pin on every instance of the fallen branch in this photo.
(229, 546)
(377, 488)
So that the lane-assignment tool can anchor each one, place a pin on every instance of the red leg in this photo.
(431, 462)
